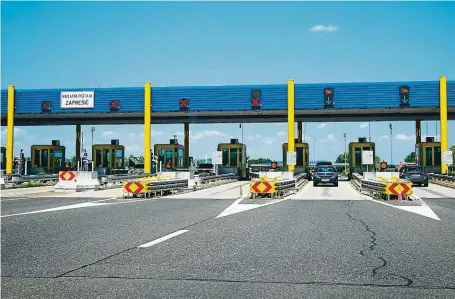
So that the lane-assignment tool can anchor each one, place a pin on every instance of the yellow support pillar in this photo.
(147, 127)
(443, 118)
(291, 140)
(10, 130)
(418, 132)
(186, 160)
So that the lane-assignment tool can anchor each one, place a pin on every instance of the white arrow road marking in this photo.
(236, 207)
(423, 210)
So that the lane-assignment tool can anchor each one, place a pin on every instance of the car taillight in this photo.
(425, 174)
(404, 173)
(335, 174)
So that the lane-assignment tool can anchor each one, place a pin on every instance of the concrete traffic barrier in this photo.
(70, 181)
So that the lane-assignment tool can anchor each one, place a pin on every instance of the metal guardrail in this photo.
(153, 187)
(274, 188)
(443, 180)
(380, 188)
(300, 180)
(214, 178)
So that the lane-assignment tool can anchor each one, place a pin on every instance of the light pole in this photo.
(391, 143)
(241, 127)
(369, 131)
(92, 129)
(314, 155)
(344, 135)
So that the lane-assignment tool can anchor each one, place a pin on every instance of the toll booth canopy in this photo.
(49, 158)
(232, 154)
(171, 154)
(108, 156)
(355, 155)
(302, 152)
(428, 155)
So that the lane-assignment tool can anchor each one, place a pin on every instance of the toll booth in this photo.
(48, 159)
(233, 159)
(355, 156)
(3, 158)
(109, 159)
(302, 151)
(428, 155)
(170, 155)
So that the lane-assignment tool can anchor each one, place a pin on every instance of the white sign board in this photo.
(447, 157)
(291, 158)
(217, 158)
(77, 99)
(367, 158)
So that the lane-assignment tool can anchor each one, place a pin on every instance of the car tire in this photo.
(336, 184)
(314, 184)
(425, 185)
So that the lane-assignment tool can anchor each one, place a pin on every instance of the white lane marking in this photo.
(162, 239)
(237, 208)
(423, 210)
(75, 206)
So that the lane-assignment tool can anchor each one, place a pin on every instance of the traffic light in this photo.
(404, 96)
(328, 97)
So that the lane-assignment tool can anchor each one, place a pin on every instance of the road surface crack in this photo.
(373, 244)
(120, 252)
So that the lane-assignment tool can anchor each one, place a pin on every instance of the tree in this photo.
(377, 160)
(73, 162)
(259, 161)
(410, 158)
(340, 158)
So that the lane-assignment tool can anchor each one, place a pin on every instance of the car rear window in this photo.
(413, 168)
(325, 169)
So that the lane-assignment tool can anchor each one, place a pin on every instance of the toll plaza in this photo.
(337, 102)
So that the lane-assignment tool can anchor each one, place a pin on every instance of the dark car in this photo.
(415, 174)
(325, 174)
(320, 163)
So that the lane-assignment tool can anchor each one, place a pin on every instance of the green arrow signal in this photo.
(405, 100)
(328, 101)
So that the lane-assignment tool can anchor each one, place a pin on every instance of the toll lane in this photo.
(344, 191)
(51, 243)
(434, 191)
(354, 249)
(227, 191)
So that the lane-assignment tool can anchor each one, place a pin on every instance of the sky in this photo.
(120, 44)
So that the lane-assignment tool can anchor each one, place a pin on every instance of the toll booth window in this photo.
(429, 155)
(225, 157)
(420, 156)
(180, 157)
(169, 155)
(98, 158)
(106, 157)
(437, 156)
(44, 157)
(36, 158)
(307, 155)
(233, 157)
(160, 155)
(299, 153)
(119, 156)
(357, 156)
(240, 152)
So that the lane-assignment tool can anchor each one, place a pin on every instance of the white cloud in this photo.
(404, 137)
(18, 132)
(330, 138)
(322, 125)
(110, 134)
(281, 133)
(321, 28)
(208, 133)
(363, 125)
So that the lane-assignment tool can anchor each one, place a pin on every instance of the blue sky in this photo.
(83, 44)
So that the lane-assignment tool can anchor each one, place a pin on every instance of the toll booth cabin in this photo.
(109, 159)
(170, 156)
(302, 151)
(233, 159)
(47, 159)
(428, 155)
(3, 158)
(356, 150)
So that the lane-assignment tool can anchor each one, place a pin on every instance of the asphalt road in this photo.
(325, 242)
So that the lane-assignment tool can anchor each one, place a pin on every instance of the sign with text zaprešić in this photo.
(77, 99)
